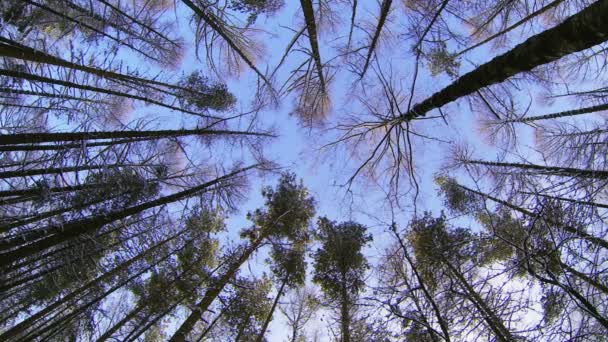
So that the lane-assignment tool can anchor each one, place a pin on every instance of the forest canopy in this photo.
(270, 170)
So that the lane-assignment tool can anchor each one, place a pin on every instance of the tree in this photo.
(436, 247)
(339, 266)
(301, 306)
(289, 207)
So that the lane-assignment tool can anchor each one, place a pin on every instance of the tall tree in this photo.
(340, 266)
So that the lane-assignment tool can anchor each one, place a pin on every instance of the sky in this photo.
(325, 171)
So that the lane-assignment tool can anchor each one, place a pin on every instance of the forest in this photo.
(312, 170)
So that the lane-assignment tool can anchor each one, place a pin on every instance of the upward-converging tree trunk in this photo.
(558, 115)
(496, 324)
(311, 25)
(542, 169)
(385, 8)
(68, 84)
(260, 337)
(213, 291)
(573, 230)
(21, 327)
(344, 310)
(581, 31)
(218, 28)
(24, 138)
(54, 235)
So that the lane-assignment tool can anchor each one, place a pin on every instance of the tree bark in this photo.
(579, 32)
(260, 337)
(54, 235)
(26, 138)
(213, 291)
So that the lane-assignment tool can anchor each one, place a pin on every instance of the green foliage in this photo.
(503, 233)
(340, 264)
(247, 306)
(553, 306)
(288, 262)
(203, 94)
(456, 199)
(125, 186)
(441, 60)
(434, 243)
(256, 7)
(288, 210)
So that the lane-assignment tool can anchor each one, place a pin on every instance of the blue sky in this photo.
(324, 171)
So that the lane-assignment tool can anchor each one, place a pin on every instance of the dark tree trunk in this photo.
(579, 32)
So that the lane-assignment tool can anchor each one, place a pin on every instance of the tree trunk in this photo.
(547, 170)
(309, 19)
(514, 26)
(220, 31)
(582, 235)
(135, 20)
(344, 311)
(59, 147)
(559, 115)
(442, 323)
(56, 170)
(21, 327)
(89, 27)
(495, 323)
(260, 337)
(27, 138)
(68, 84)
(71, 230)
(120, 323)
(579, 32)
(213, 291)
(385, 8)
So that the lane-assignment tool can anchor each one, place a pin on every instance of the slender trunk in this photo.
(558, 115)
(385, 8)
(10, 48)
(21, 327)
(54, 235)
(81, 309)
(550, 170)
(136, 21)
(68, 84)
(583, 303)
(569, 200)
(50, 95)
(577, 232)
(120, 323)
(353, 16)
(56, 170)
(309, 19)
(213, 291)
(211, 21)
(53, 190)
(260, 337)
(495, 323)
(142, 302)
(89, 27)
(51, 213)
(344, 311)
(579, 32)
(25, 138)
(10, 148)
(586, 278)
(70, 262)
(442, 323)
(514, 26)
